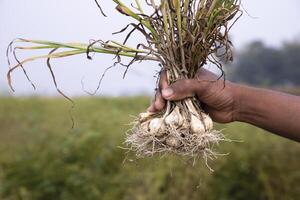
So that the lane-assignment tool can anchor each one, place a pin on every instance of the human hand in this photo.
(219, 101)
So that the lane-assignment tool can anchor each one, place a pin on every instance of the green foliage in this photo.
(41, 157)
(266, 168)
(258, 64)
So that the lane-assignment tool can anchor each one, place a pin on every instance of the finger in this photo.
(204, 74)
(180, 90)
(151, 108)
(158, 103)
(209, 85)
(163, 80)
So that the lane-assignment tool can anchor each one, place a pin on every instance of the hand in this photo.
(217, 99)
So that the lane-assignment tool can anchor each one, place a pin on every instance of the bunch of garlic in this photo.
(175, 122)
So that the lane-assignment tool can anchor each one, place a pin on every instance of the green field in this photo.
(42, 157)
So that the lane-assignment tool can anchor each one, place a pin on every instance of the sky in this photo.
(272, 21)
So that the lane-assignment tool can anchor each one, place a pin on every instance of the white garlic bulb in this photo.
(208, 122)
(174, 119)
(197, 125)
(145, 116)
(144, 127)
(156, 127)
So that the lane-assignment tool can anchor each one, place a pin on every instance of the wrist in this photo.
(248, 107)
(238, 107)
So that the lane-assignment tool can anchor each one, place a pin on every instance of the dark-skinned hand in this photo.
(217, 99)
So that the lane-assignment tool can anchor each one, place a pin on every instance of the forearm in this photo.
(276, 112)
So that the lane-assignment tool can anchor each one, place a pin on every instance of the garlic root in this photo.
(183, 129)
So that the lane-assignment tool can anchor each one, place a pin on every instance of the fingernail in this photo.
(167, 92)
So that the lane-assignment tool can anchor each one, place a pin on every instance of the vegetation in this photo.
(42, 158)
(268, 66)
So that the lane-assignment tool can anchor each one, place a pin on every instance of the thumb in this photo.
(179, 90)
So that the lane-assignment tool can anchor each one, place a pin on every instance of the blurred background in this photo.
(42, 157)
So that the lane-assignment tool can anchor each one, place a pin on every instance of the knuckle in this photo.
(187, 85)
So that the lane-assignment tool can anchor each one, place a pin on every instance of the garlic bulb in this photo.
(197, 125)
(207, 122)
(145, 128)
(156, 127)
(173, 142)
(145, 116)
(174, 119)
